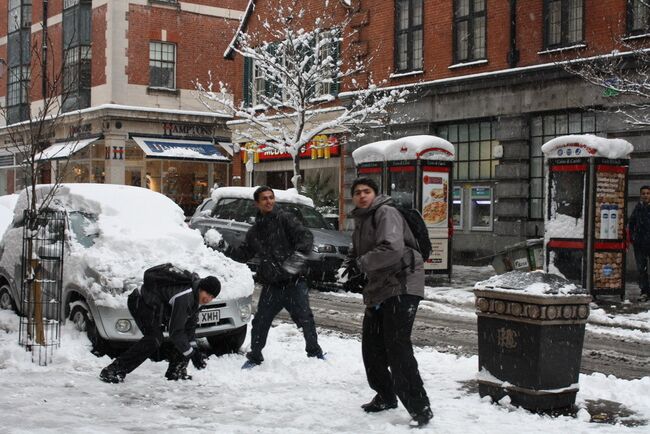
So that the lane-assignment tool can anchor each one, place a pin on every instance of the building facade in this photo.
(124, 73)
(487, 75)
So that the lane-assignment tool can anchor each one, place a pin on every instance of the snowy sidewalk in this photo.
(289, 393)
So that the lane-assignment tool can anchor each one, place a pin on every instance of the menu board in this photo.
(435, 198)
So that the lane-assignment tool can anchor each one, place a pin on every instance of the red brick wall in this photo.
(200, 42)
(98, 66)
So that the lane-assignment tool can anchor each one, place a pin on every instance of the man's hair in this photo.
(644, 187)
(261, 190)
(364, 181)
(211, 285)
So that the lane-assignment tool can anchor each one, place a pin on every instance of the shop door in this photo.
(133, 176)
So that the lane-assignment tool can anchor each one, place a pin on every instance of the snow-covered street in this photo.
(289, 393)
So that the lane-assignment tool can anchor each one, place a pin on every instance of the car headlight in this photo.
(324, 248)
(245, 311)
(123, 325)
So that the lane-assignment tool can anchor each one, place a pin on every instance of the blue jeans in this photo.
(294, 297)
(641, 256)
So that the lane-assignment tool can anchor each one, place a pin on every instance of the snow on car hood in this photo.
(137, 228)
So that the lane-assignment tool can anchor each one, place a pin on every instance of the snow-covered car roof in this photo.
(286, 196)
(136, 228)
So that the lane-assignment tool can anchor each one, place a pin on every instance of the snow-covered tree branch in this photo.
(294, 66)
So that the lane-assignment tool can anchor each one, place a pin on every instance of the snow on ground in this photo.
(289, 393)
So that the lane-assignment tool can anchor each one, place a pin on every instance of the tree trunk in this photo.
(297, 179)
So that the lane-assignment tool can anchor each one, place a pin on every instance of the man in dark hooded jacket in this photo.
(175, 307)
(384, 249)
(281, 243)
(639, 224)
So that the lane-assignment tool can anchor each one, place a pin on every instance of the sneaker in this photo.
(112, 374)
(250, 364)
(422, 418)
(379, 404)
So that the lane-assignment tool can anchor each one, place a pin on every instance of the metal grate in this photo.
(41, 283)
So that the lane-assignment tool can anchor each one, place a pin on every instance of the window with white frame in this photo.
(18, 59)
(469, 29)
(162, 65)
(638, 17)
(327, 43)
(563, 22)
(409, 35)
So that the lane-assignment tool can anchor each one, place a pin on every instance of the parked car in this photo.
(231, 211)
(114, 233)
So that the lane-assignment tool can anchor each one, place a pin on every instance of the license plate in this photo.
(209, 316)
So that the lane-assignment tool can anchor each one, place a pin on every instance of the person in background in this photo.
(639, 226)
(384, 249)
(282, 244)
(175, 303)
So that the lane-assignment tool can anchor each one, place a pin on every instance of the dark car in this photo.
(231, 211)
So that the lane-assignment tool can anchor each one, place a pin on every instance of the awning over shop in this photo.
(63, 150)
(157, 147)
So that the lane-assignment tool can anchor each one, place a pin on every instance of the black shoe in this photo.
(177, 371)
(421, 419)
(113, 373)
(379, 404)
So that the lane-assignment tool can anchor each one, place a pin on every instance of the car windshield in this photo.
(244, 210)
(84, 227)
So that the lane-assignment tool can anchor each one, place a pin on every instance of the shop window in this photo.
(77, 54)
(481, 208)
(457, 208)
(563, 22)
(162, 65)
(542, 129)
(474, 142)
(408, 35)
(469, 30)
(638, 17)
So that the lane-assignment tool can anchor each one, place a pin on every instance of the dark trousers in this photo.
(149, 323)
(641, 256)
(386, 344)
(294, 297)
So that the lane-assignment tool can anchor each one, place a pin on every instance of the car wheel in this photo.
(6, 302)
(228, 343)
(81, 319)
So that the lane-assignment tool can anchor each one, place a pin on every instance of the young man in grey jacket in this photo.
(383, 248)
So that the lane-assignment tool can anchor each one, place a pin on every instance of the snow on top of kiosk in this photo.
(586, 145)
(405, 148)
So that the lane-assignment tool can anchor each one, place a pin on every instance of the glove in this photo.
(294, 263)
(199, 359)
(351, 269)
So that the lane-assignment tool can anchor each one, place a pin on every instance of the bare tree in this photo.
(295, 67)
(41, 92)
(623, 75)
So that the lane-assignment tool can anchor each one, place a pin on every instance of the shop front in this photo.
(182, 159)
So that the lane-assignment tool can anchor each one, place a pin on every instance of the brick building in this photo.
(484, 74)
(128, 111)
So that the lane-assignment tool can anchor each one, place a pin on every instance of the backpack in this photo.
(418, 228)
(165, 275)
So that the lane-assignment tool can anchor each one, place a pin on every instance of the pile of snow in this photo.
(536, 283)
(406, 148)
(7, 204)
(287, 196)
(564, 226)
(593, 145)
(135, 229)
(288, 393)
(212, 237)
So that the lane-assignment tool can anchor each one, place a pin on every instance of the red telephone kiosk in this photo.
(416, 171)
(586, 211)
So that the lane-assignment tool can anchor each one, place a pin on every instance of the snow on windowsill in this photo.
(633, 37)
(562, 49)
(406, 74)
(464, 64)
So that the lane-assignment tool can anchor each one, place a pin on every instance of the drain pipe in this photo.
(513, 54)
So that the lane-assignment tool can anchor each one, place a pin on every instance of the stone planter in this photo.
(530, 340)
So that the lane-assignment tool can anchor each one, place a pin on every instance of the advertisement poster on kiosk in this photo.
(435, 211)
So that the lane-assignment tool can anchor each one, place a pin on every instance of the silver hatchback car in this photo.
(231, 211)
(100, 269)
